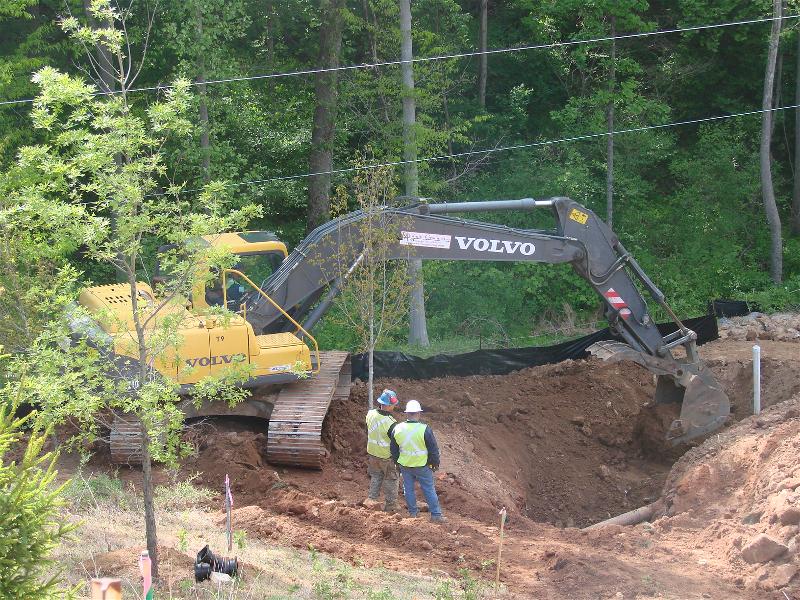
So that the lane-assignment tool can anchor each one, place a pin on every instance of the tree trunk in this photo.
(610, 127)
(147, 471)
(371, 364)
(149, 508)
(417, 327)
(205, 146)
(323, 129)
(449, 134)
(371, 25)
(108, 76)
(483, 70)
(767, 189)
(104, 66)
(795, 219)
(270, 45)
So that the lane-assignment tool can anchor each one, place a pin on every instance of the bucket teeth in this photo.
(704, 405)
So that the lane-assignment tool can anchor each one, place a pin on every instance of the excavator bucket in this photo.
(704, 405)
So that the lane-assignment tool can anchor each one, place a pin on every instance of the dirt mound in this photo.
(732, 363)
(124, 563)
(557, 443)
(235, 448)
(739, 493)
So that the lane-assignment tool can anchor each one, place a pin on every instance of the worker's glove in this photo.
(434, 467)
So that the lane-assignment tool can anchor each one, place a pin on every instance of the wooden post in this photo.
(228, 507)
(106, 589)
(500, 550)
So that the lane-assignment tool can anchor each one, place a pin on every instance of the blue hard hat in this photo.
(388, 398)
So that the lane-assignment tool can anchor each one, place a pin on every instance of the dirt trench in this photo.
(559, 446)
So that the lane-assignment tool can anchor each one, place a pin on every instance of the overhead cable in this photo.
(423, 59)
(485, 151)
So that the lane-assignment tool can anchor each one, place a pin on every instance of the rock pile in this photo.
(740, 492)
(781, 327)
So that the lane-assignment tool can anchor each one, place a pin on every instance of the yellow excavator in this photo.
(278, 298)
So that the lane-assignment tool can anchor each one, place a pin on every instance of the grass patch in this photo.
(90, 491)
(182, 495)
(109, 519)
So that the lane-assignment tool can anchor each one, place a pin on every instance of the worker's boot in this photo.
(439, 519)
(370, 503)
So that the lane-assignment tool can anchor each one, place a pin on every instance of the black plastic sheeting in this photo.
(500, 362)
(730, 308)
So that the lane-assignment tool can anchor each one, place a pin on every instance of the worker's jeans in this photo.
(382, 473)
(425, 477)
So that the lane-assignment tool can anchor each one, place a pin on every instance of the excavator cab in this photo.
(260, 254)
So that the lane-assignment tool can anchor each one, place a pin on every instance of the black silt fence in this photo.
(731, 308)
(500, 362)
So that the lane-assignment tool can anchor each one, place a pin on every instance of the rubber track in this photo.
(126, 440)
(295, 427)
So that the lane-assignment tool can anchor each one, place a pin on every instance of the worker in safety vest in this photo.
(414, 448)
(380, 467)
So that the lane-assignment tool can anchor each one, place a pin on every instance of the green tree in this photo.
(29, 39)
(374, 300)
(29, 506)
(104, 160)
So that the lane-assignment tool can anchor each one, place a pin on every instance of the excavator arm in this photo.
(323, 260)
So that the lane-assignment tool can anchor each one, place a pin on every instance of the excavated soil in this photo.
(559, 446)
(556, 444)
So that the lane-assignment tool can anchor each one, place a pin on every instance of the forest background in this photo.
(687, 199)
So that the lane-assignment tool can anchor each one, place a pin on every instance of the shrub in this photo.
(100, 488)
(182, 495)
(29, 512)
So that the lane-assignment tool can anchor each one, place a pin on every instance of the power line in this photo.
(576, 138)
(439, 57)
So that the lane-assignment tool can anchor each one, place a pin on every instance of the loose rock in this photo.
(761, 549)
(790, 516)
(783, 575)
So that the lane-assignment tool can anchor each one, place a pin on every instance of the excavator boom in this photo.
(284, 308)
(425, 231)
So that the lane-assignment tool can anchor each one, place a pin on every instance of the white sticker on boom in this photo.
(425, 240)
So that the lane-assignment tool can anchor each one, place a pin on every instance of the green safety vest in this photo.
(378, 434)
(411, 439)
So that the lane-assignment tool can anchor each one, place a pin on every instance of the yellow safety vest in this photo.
(411, 439)
(378, 434)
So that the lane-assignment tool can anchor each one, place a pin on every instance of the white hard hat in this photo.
(412, 406)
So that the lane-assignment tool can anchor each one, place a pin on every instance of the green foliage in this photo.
(183, 541)
(240, 539)
(96, 489)
(330, 584)
(373, 302)
(687, 199)
(384, 594)
(16, 9)
(182, 495)
(29, 507)
(103, 169)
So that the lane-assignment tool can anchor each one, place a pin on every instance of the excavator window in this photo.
(258, 267)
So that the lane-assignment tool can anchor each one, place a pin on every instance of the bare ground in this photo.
(560, 447)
